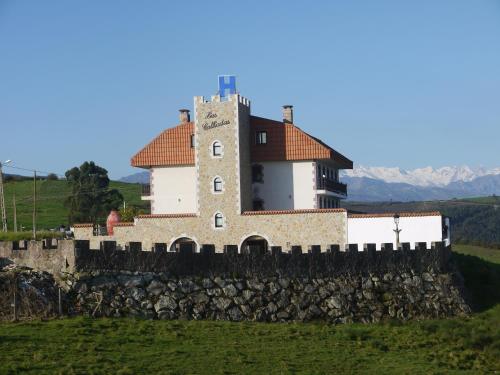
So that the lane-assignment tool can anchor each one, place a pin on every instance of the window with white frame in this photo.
(219, 220)
(261, 137)
(217, 184)
(217, 149)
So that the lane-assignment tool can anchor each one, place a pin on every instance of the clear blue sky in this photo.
(387, 83)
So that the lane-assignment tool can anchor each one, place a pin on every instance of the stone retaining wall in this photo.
(366, 298)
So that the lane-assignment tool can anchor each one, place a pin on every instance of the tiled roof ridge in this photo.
(166, 216)
(83, 225)
(292, 212)
(391, 214)
(124, 224)
(133, 160)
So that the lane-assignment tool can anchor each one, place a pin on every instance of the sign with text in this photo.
(211, 121)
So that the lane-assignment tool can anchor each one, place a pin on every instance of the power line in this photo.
(34, 170)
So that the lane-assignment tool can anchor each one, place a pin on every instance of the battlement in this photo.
(217, 99)
(50, 255)
(68, 256)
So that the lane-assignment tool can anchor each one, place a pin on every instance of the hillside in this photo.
(50, 201)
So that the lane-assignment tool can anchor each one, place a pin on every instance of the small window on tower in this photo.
(192, 140)
(217, 149)
(219, 220)
(217, 184)
(261, 138)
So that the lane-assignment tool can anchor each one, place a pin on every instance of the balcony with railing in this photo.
(332, 186)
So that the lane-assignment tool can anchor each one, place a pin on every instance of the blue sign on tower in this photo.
(227, 83)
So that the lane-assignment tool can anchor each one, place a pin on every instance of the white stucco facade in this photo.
(379, 230)
(286, 185)
(173, 190)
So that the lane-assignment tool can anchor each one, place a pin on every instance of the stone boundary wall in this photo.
(50, 255)
(333, 286)
(60, 257)
(269, 264)
(370, 297)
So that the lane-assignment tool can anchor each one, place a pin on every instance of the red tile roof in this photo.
(284, 142)
(83, 225)
(288, 142)
(165, 216)
(291, 212)
(124, 224)
(171, 147)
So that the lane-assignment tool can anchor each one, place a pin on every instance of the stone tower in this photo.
(222, 158)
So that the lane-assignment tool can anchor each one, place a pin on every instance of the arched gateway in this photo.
(254, 244)
(184, 244)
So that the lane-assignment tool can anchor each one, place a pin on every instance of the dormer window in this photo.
(217, 149)
(261, 137)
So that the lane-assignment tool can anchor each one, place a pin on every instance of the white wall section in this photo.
(380, 230)
(173, 190)
(286, 185)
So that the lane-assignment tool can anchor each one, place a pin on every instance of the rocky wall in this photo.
(344, 298)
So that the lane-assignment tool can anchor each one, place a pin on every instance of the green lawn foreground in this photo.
(127, 346)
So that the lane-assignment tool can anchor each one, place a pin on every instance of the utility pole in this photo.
(2, 199)
(15, 211)
(34, 205)
(2, 202)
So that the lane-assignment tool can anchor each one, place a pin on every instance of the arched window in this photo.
(219, 220)
(216, 148)
(217, 184)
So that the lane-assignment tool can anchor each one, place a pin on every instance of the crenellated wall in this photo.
(335, 286)
(53, 256)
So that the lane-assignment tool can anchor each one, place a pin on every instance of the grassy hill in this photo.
(50, 201)
(127, 346)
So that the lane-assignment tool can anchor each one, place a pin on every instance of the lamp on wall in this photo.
(397, 230)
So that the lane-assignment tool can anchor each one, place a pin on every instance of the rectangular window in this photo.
(261, 138)
(217, 184)
(192, 140)
(219, 221)
(216, 149)
(257, 173)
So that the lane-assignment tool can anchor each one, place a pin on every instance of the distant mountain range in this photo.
(136, 178)
(427, 176)
(396, 184)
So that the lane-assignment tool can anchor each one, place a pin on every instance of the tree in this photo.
(91, 198)
(52, 177)
(128, 213)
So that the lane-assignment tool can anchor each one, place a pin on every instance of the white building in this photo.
(230, 177)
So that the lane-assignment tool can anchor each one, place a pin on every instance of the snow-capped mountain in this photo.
(396, 184)
(425, 177)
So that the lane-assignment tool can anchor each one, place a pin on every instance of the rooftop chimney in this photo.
(184, 115)
(288, 114)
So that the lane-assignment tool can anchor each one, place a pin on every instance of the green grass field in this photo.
(127, 346)
(50, 201)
